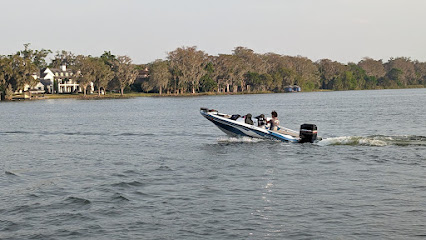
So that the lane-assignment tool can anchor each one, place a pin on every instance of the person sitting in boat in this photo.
(274, 121)
(247, 119)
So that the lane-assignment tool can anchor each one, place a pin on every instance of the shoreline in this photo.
(19, 97)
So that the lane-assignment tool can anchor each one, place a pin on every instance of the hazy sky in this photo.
(341, 30)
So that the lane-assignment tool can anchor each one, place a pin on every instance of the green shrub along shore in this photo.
(190, 72)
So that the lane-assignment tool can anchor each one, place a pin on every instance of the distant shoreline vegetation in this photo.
(189, 71)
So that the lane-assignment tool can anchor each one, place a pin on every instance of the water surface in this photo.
(154, 168)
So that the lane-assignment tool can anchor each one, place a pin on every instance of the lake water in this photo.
(154, 168)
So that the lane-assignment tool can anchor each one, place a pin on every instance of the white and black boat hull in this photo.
(240, 129)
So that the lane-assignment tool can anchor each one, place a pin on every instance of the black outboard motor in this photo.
(308, 133)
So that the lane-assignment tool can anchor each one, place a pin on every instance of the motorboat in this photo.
(236, 125)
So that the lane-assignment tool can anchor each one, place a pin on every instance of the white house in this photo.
(64, 79)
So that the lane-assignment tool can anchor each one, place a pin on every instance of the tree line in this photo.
(189, 70)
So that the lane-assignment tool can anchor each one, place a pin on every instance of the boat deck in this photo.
(288, 132)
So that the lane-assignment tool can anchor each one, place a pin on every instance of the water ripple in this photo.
(155, 169)
(128, 184)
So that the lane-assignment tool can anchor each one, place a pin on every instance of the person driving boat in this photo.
(274, 121)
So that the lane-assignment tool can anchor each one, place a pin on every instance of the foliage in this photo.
(84, 68)
(189, 63)
(9, 92)
(207, 84)
(189, 70)
(125, 72)
(63, 57)
(102, 74)
(159, 76)
(108, 58)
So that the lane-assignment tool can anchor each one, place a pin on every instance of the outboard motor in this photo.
(308, 133)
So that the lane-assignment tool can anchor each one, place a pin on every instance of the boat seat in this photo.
(248, 120)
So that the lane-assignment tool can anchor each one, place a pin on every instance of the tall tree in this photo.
(420, 72)
(18, 72)
(108, 58)
(207, 82)
(248, 61)
(360, 76)
(102, 74)
(329, 71)
(37, 57)
(29, 70)
(307, 73)
(281, 78)
(373, 68)
(254, 62)
(84, 71)
(63, 57)
(190, 62)
(125, 72)
(3, 66)
(408, 72)
(8, 74)
(223, 65)
(159, 75)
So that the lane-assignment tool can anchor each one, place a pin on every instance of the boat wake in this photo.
(239, 140)
(375, 140)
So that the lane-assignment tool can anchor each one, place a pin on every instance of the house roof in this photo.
(45, 71)
(58, 70)
(43, 74)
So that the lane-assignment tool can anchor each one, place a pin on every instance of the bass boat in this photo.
(243, 126)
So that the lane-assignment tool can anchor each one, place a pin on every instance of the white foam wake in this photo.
(238, 140)
(375, 140)
(353, 140)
